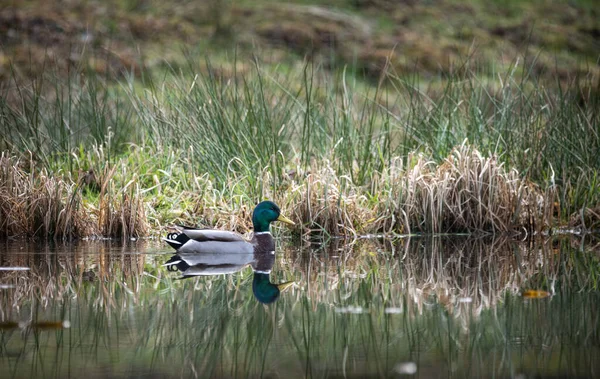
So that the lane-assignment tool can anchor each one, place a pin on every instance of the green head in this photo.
(265, 213)
(265, 291)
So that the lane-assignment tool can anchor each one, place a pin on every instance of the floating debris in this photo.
(42, 325)
(46, 325)
(350, 309)
(6, 325)
(406, 368)
(393, 310)
(535, 294)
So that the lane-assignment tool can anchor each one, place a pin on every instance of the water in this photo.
(420, 307)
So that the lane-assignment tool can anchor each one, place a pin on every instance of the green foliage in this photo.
(53, 122)
(252, 131)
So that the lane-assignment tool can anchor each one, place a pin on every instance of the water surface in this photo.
(419, 307)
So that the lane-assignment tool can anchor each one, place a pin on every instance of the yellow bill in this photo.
(282, 218)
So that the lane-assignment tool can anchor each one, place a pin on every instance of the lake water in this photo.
(410, 307)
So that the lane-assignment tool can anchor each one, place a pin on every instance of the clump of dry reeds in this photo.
(467, 192)
(324, 201)
(34, 203)
(121, 211)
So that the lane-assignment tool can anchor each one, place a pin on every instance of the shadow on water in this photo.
(420, 307)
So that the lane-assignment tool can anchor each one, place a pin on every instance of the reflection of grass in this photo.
(133, 316)
(452, 271)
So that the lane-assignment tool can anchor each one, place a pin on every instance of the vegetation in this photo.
(433, 38)
(363, 119)
(465, 147)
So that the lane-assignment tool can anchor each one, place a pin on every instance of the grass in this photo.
(342, 157)
(483, 123)
(429, 38)
(37, 203)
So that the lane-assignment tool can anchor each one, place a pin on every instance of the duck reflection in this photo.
(202, 264)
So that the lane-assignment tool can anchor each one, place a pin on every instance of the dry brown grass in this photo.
(324, 201)
(34, 203)
(121, 210)
(467, 192)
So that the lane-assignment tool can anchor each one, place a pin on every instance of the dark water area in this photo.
(418, 307)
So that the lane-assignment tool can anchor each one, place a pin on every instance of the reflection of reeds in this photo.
(460, 273)
(405, 298)
(450, 270)
(58, 276)
(358, 309)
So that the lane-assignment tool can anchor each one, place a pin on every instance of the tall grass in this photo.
(287, 121)
(37, 203)
(345, 157)
(33, 202)
(53, 116)
(549, 135)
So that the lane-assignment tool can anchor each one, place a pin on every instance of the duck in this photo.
(188, 240)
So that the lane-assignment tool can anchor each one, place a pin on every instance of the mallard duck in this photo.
(192, 240)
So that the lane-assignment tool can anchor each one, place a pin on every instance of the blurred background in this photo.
(554, 40)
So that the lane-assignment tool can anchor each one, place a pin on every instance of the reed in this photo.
(484, 270)
(34, 203)
(466, 193)
(121, 211)
(343, 157)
